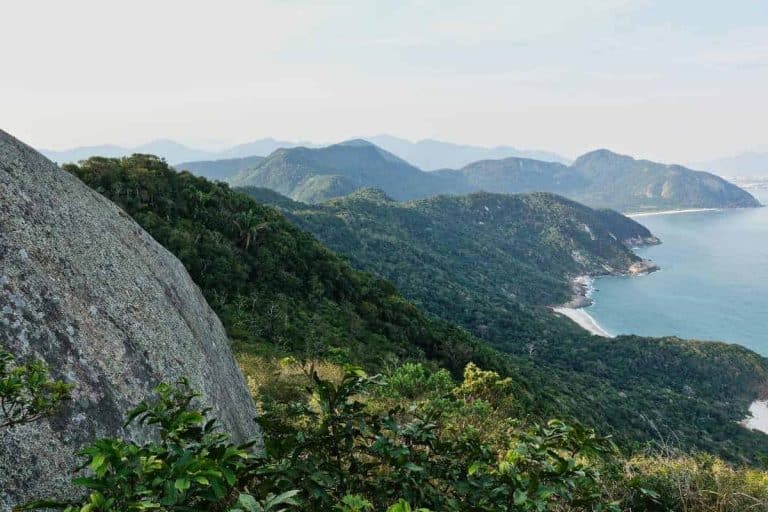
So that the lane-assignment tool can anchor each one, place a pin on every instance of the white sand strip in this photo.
(584, 319)
(759, 418)
(671, 212)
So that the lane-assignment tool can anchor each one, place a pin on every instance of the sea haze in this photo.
(713, 284)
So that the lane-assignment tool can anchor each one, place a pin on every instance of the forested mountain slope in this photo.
(489, 262)
(278, 290)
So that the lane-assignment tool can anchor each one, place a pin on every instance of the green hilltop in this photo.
(315, 174)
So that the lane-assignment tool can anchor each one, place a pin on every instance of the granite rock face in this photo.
(111, 311)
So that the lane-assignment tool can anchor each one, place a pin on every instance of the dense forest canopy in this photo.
(490, 262)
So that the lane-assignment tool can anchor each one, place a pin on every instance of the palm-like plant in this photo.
(249, 223)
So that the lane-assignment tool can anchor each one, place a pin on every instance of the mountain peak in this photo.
(356, 143)
(601, 154)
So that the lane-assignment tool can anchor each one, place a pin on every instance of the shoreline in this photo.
(584, 320)
(671, 212)
(582, 288)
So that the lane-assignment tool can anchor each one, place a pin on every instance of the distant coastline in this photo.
(671, 212)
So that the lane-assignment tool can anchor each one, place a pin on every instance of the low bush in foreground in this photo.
(341, 440)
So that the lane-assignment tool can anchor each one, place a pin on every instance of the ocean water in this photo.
(713, 282)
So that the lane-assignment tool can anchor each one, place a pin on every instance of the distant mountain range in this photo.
(314, 174)
(745, 165)
(425, 154)
(599, 178)
(220, 170)
(431, 154)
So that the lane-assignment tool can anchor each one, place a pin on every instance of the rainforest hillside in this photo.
(279, 291)
(490, 262)
(599, 178)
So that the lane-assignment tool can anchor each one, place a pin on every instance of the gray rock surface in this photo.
(109, 309)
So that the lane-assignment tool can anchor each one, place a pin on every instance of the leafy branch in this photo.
(27, 393)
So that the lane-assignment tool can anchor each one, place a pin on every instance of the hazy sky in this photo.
(674, 79)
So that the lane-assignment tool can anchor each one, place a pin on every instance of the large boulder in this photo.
(89, 291)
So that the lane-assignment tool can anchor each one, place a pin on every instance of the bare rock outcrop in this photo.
(111, 311)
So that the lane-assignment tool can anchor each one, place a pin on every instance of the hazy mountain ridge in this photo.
(430, 154)
(170, 150)
(316, 174)
(221, 169)
(513, 175)
(426, 154)
(751, 164)
(600, 178)
(644, 185)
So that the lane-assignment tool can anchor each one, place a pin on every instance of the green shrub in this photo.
(414, 380)
(412, 453)
(27, 393)
(191, 467)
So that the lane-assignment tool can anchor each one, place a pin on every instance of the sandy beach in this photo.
(582, 287)
(671, 212)
(586, 321)
(759, 418)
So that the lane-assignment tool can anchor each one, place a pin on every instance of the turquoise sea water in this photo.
(713, 282)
